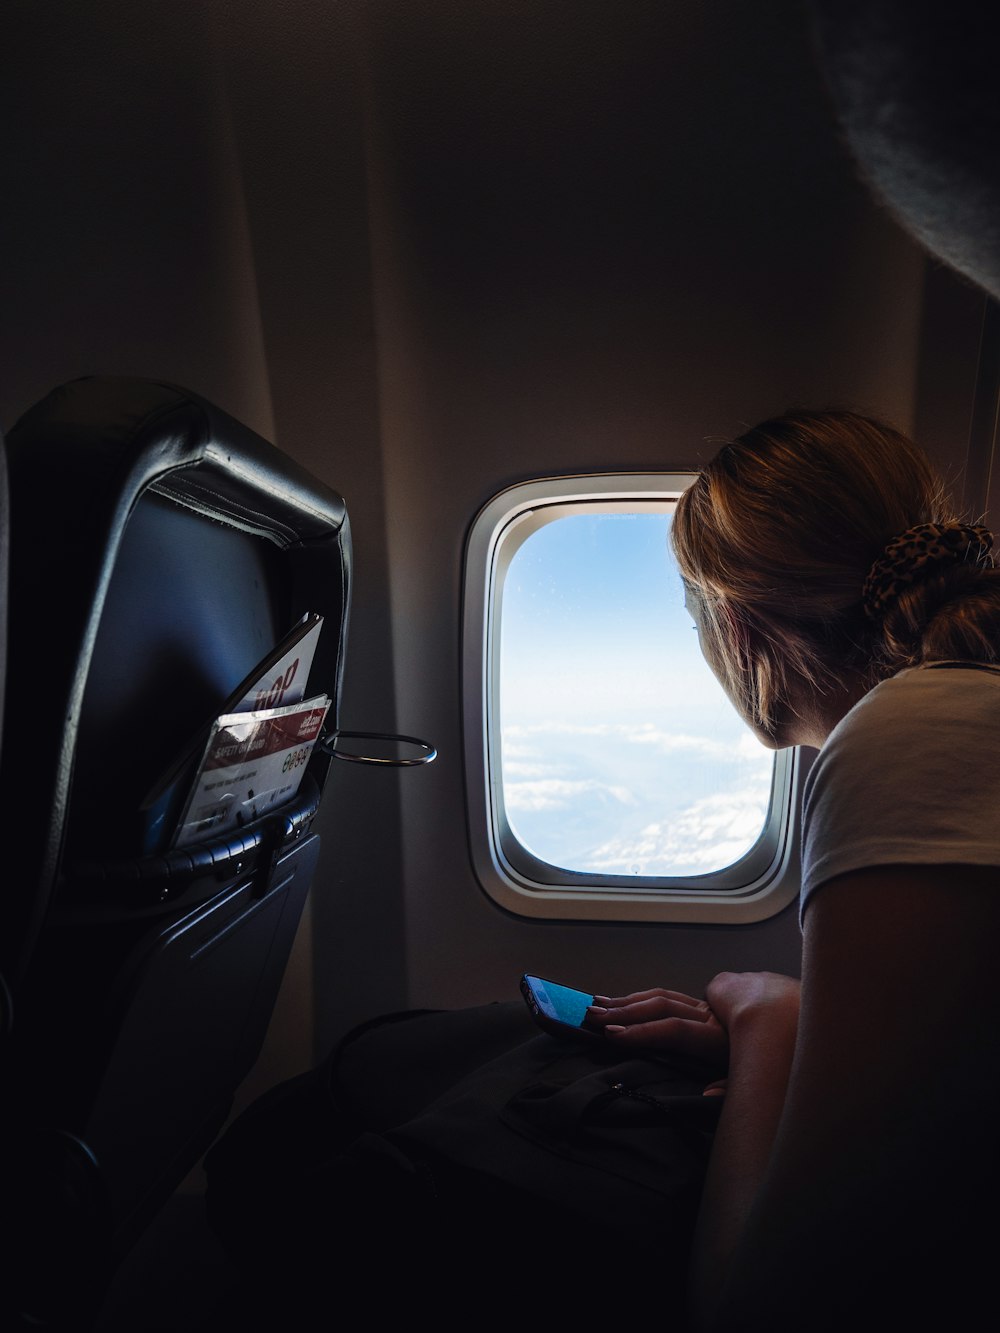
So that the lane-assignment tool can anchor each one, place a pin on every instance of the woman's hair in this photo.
(775, 539)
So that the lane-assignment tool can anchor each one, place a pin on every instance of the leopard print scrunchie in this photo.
(914, 554)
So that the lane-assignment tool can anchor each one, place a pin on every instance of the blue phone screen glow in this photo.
(561, 1002)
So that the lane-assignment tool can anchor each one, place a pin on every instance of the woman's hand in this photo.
(668, 1020)
(663, 1020)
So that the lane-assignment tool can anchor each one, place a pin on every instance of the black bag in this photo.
(467, 1138)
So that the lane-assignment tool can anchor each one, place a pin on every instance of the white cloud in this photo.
(512, 749)
(743, 747)
(560, 793)
(515, 770)
(671, 743)
(707, 835)
(749, 747)
(746, 746)
(643, 797)
(551, 727)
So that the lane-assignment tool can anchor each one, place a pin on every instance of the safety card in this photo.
(252, 762)
(277, 682)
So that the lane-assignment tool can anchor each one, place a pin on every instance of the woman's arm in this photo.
(761, 1013)
(843, 1182)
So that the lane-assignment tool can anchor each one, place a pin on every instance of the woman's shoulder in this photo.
(900, 779)
(925, 720)
(924, 697)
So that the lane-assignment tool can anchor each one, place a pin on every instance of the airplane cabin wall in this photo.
(432, 249)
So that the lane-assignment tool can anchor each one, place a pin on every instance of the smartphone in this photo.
(558, 1010)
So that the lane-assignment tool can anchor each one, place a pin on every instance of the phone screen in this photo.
(560, 1003)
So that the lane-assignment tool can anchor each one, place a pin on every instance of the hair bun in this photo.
(918, 553)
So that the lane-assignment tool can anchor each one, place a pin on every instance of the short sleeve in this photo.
(907, 779)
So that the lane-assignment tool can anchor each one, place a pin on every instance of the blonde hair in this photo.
(775, 539)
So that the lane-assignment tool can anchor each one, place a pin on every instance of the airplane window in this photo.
(608, 775)
(619, 752)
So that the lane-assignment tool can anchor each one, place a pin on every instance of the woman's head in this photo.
(775, 540)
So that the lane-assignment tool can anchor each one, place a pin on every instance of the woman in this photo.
(842, 606)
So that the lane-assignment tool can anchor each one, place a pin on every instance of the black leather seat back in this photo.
(173, 636)
(159, 550)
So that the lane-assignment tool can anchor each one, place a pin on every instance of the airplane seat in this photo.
(159, 551)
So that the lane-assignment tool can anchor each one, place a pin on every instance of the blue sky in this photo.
(620, 751)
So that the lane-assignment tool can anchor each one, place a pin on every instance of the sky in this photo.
(620, 752)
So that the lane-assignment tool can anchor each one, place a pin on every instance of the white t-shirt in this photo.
(908, 777)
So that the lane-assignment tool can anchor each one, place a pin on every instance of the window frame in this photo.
(757, 886)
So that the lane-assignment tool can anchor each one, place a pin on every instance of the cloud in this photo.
(515, 770)
(671, 743)
(708, 835)
(749, 747)
(634, 799)
(645, 733)
(514, 731)
(560, 793)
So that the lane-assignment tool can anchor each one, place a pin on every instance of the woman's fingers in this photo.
(648, 1006)
(707, 1041)
(616, 1002)
(661, 1019)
